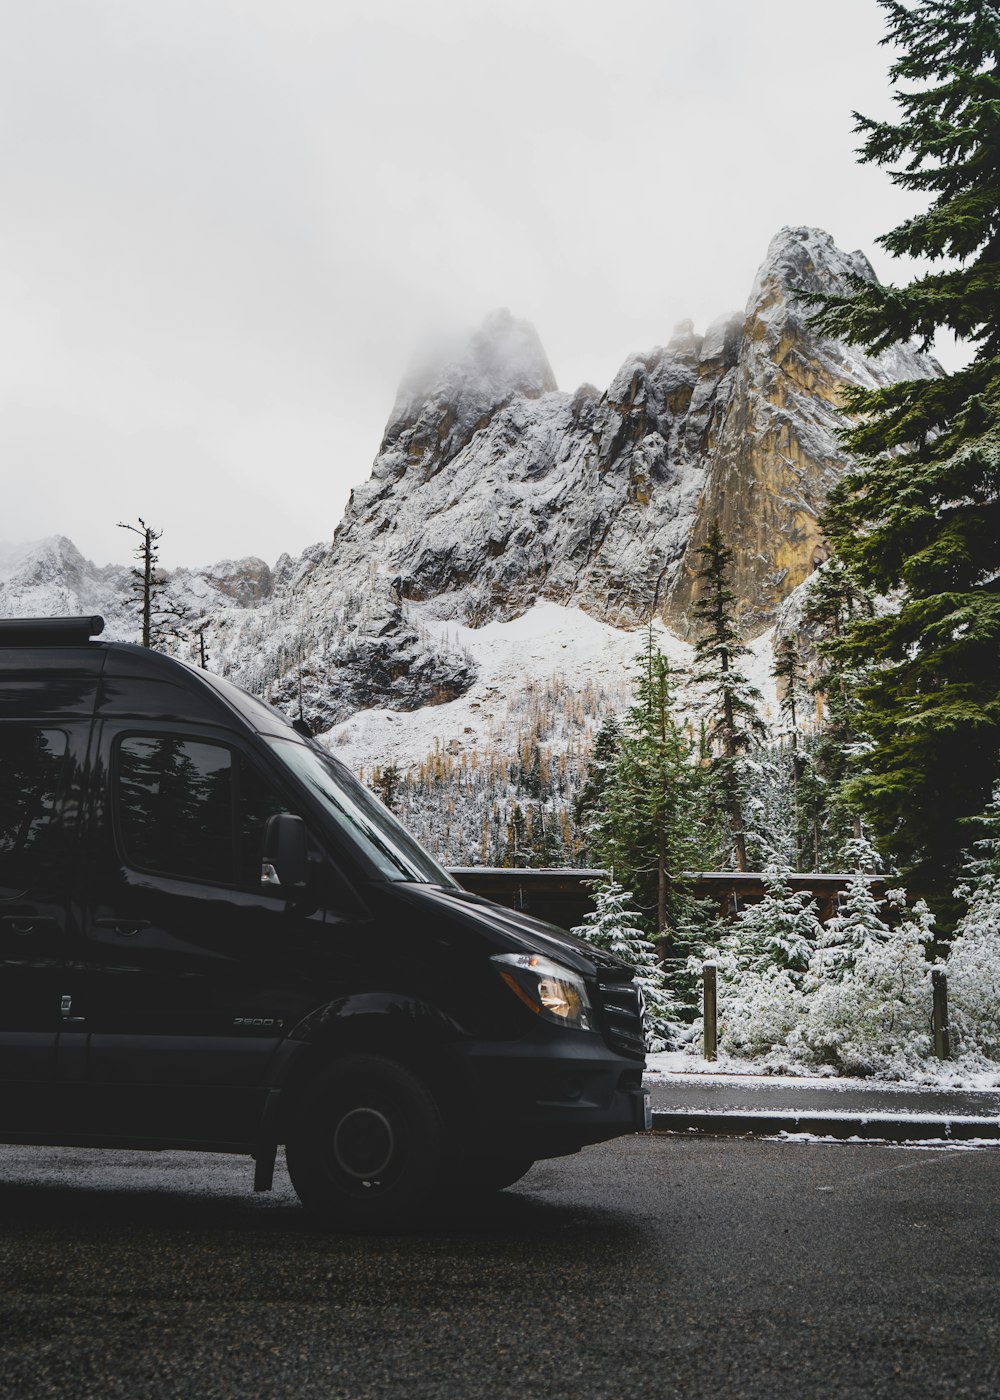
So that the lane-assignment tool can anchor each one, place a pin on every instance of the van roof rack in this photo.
(49, 631)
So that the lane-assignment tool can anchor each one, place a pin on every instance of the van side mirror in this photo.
(285, 863)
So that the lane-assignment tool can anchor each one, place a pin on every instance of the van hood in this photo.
(513, 931)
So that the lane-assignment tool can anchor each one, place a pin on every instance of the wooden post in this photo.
(939, 1016)
(710, 1010)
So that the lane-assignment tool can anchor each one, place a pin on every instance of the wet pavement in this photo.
(655, 1267)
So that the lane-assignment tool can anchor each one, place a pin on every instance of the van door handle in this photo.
(23, 925)
(125, 928)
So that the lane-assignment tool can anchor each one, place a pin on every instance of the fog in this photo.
(228, 225)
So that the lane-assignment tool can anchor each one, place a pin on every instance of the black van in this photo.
(213, 937)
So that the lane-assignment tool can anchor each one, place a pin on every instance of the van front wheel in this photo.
(365, 1149)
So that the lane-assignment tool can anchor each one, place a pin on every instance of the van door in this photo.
(193, 971)
(36, 831)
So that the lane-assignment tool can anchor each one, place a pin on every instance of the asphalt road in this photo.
(660, 1266)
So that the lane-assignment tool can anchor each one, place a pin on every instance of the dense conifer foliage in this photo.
(648, 822)
(918, 518)
(733, 704)
(616, 926)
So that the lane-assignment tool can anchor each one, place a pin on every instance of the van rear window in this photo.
(32, 763)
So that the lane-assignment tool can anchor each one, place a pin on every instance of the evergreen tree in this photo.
(918, 518)
(386, 782)
(590, 808)
(734, 704)
(546, 849)
(789, 671)
(827, 819)
(790, 674)
(516, 854)
(973, 964)
(767, 781)
(616, 927)
(858, 927)
(159, 615)
(649, 829)
(778, 933)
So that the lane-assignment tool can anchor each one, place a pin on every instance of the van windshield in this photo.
(360, 816)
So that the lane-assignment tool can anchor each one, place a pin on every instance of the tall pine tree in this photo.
(649, 828)
(918, 518)
(789, 672)
(734, 704)
(833, 601)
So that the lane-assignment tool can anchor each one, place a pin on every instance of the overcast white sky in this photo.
(226, 225)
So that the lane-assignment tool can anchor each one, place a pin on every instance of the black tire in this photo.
(365, 1149)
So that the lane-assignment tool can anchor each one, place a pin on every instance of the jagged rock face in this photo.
(301, 635)
(439, 410)
(238, 582)
(775, 454)
(572, 498)
(493, 489)
(53, 579)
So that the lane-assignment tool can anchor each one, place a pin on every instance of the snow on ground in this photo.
(546, 642)
(757, 668)
(941, 1074)
(913, 1145)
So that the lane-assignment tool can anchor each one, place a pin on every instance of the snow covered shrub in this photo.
(973, 964)
(761, 961)
(853, 995)
(973, 969)
(868, 991)
(758, 1010)
(615, 926)
(778, 933)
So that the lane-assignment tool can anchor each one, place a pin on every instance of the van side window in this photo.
(175, 807)
(32, 762)
(257, 800)
(192, 808)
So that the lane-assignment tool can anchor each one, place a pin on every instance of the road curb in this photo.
(874, 1127)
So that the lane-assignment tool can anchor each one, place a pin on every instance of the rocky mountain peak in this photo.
(493, 490)
(804, 259)
(776, 453)
(447, 397)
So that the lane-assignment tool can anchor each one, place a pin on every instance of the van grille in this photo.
(622, 1014)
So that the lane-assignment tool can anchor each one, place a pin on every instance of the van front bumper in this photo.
(549, 1097)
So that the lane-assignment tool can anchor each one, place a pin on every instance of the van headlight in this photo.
(549, 990)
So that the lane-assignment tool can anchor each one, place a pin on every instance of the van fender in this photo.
(392, 1018)
(388, 1023)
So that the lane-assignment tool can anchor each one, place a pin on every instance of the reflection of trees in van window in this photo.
(194, 809)
(175, 807)
(258, 800)
(31, 766)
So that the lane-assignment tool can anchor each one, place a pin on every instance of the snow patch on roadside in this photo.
(942, 1074)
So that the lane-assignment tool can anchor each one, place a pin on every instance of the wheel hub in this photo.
(363, 1143)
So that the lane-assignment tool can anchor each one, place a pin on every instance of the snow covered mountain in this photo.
(494, 492)
(493, 489)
